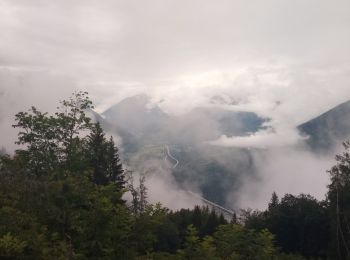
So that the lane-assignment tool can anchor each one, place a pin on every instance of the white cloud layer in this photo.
(284, 170)
(260, 52)
(262, 139)
(281, 59)
(286, 60)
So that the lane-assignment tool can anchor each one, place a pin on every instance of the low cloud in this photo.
(262, 139)
(163, 188)
(283, 170)
(283, 60)
(161, 185)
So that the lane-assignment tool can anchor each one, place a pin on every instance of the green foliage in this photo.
(53, 141)
(11, 247)
(168, 238)
(204, 220)
(283, 256)
(339, 208)
(192, 243)
(66, 217)
(273, 202)
(61, 198)
(300, 224)
(195, 248)
(237, 242)
(229, 242)
(146, 227)
(103, 158)
(208, 248)
(49, 204)
(67, 142)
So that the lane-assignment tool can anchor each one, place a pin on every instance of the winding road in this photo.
(172, 157)
(223, 210)
(213, 204)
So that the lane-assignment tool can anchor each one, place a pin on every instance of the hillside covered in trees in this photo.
(62, 197)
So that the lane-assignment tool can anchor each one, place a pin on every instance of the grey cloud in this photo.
(283, 170)
(160, 39)
(286, 60)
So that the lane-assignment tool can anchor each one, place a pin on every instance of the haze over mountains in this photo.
(328, 129)
(198, 125)
(216, 172)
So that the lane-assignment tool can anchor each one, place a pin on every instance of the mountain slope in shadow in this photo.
(329, 129)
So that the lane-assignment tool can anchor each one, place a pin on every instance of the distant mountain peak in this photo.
(329, 129)
(140, 103)
(136, 114)
(139, 100)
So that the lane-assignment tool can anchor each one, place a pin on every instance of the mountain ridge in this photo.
(328, 129)
(146, 131)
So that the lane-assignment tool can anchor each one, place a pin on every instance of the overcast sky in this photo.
(288, 60)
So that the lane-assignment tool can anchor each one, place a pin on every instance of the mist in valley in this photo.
(227, 94)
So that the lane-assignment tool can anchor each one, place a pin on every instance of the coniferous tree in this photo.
(104, 158)
(197, 217)
(115, 172)
(212, 223)
(192, 244)
(143, 194)
(96, 150)
(49, 209)
(73, 217)
(339, 209)
(273, 202)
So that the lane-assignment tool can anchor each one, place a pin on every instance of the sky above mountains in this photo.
(287, 60)
(283, 59)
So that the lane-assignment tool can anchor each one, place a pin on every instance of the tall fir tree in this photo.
(115, 172)
(339, 208)
(104, 158)
(97, 154)
(273, 202)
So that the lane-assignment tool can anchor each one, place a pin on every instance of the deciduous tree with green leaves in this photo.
(54, 142)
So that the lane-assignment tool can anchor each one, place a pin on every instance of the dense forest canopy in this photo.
(61, 197)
